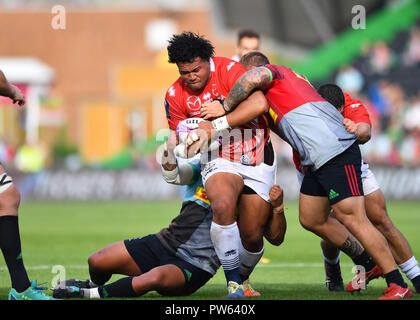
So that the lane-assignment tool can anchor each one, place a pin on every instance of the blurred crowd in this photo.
(386, 79)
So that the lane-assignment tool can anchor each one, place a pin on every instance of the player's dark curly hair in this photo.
(187, 46)
(333, 94)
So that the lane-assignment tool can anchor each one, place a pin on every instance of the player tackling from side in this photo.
(314, 128)
(22, 288)
(357, 121)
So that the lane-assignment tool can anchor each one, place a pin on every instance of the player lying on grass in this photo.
(357, 121)
(22, 287)
(314, 128)
(178, 260)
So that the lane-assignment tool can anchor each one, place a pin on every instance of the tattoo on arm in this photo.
(351, 247)
(257, 78)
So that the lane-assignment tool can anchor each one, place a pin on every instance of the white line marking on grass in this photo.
(48, 267)
(297, 265)
(259, 265)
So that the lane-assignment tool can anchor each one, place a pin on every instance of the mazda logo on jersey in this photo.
(194, 103)
(214, 90)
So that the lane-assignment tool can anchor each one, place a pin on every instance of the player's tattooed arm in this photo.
(352, 247)
(257, 78)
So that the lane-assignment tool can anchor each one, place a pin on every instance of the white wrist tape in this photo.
(221, 124)
(180, 151)
(170, 176)
(183, 174)
(191, 138)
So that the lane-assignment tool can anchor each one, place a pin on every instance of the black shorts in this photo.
(148, 253)
(338, 179)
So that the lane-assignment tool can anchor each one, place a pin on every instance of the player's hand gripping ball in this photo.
(183, 129)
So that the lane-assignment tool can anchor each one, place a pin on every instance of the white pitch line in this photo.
(259, 265)
(296, 265)
(46, 267)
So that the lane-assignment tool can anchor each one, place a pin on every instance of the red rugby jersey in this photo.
(181, 102)
(355, 110)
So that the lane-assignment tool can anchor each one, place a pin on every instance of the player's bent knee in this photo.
(350, 223)
(168, 280)
(252, 237)
(223, 210)
(385, 225)
(156, 279)
(93, 260)
(96, 260)
(275, 241)
(306, 223)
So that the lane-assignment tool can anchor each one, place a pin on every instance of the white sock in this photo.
(248, 260)
(91, 293)
(225, 240)
(410, 268)
(332, 261)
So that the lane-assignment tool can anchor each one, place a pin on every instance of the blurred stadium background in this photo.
(95, 88)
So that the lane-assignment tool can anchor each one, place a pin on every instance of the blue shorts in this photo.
(148, 253)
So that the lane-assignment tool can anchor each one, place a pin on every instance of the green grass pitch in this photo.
(66, 233)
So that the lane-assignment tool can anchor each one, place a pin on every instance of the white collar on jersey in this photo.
(212, 68)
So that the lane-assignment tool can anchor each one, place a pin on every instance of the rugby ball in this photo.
(182, 131)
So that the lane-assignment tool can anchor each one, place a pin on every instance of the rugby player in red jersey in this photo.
(245, 164)
(357, 121)
(314, 128)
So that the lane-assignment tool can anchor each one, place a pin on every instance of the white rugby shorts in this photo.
(369, 182)
(259, 178)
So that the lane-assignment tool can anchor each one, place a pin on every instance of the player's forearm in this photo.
(181, 174)
(254, 106)
(168, 160)
(6, 89)
(256, 78)
(276, 227)
(363, 132)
